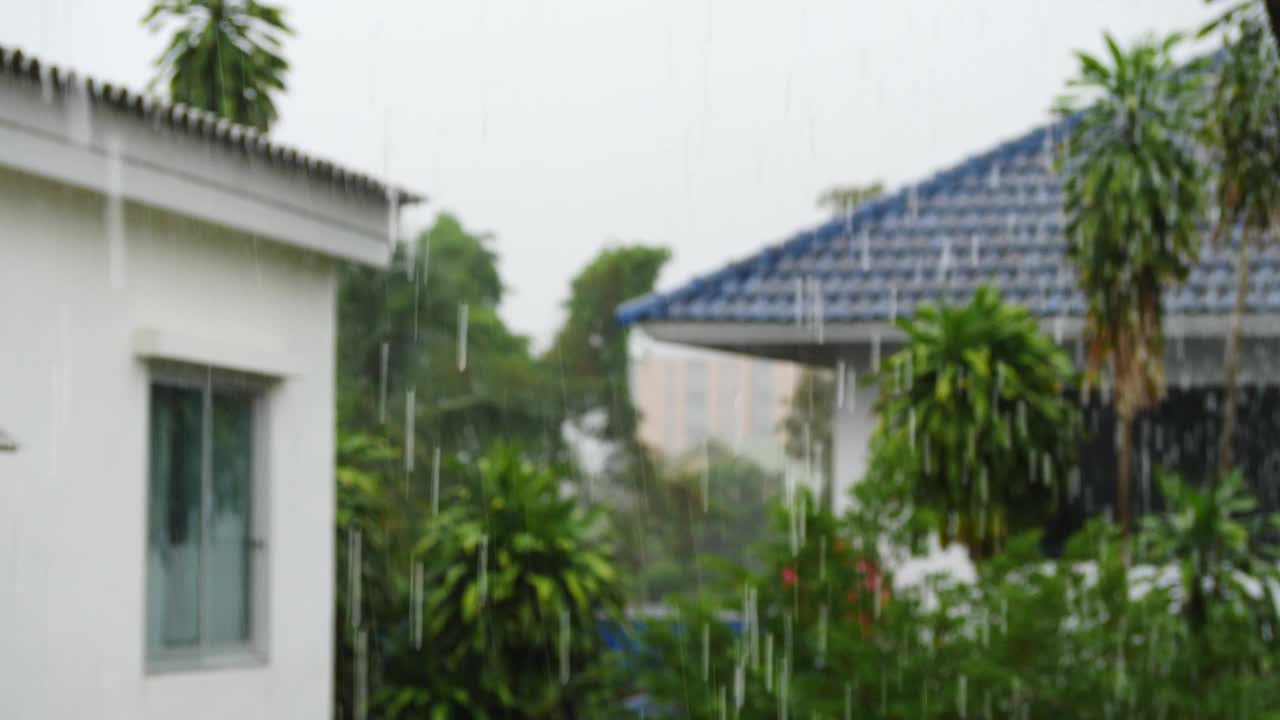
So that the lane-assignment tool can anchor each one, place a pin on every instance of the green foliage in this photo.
(974, 415)
(415, 310)
(1214, 537)
(514, 578)
(1086, 636)
(589, 353)
(225, 57)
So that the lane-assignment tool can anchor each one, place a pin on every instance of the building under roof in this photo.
(828, 296)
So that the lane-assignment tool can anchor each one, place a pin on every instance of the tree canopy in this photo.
(225, 56)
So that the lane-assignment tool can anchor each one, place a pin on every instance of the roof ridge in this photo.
(195, 122)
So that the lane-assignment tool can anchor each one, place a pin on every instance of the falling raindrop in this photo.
(362, 675)
(799, 300)
(974, 249)
(866, 249)
(565, 637)
(962, 690)
(706, 476)
(823, 619)
(483, 584)
(418, 587)
(768, 662)
(739, 686)
(435, 481)
(116, 248)
(840, 379)
(410, 415)
(875, 351)
(706, 652)
(382, 382)
(354, 573)
(462, 337)
(819, 311)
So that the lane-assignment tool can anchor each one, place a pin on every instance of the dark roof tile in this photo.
(996, 217)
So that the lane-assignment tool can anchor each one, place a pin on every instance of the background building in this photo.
(687, 397)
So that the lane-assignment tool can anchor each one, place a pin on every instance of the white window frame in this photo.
(254, 651)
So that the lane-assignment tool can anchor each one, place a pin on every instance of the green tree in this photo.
(844, 198)
(589, 352)
(1267, 13)
(416, 312)
(1133, 190)
(1244, 134)
(225, 57)
(516, 580)
(974, 412)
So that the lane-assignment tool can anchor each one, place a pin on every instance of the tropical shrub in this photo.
(490, 608)
(975, 414)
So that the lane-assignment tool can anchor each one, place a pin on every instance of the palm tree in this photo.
(1245, 136)
(974, 410)
(224, 57)
(1133, 190)
(1267, 12)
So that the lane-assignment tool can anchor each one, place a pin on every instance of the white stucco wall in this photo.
(73, 498)
(851, 435)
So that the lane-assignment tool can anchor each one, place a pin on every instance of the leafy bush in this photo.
(1089, 635)
(488, 609)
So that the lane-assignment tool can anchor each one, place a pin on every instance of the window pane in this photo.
(229, 520)
(173, 546)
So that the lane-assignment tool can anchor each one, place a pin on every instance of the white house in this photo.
(167, 329)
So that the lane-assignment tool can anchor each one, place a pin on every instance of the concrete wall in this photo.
(73, 498)
(851, 434)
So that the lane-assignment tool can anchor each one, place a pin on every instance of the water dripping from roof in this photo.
(114, 213)
(79, 112)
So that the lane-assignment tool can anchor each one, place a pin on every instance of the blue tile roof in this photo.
(996, 217)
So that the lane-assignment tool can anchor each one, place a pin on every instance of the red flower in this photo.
(789, 576)
(839, 546)
(852, 596)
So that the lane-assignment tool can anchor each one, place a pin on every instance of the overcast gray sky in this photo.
(709, 126)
